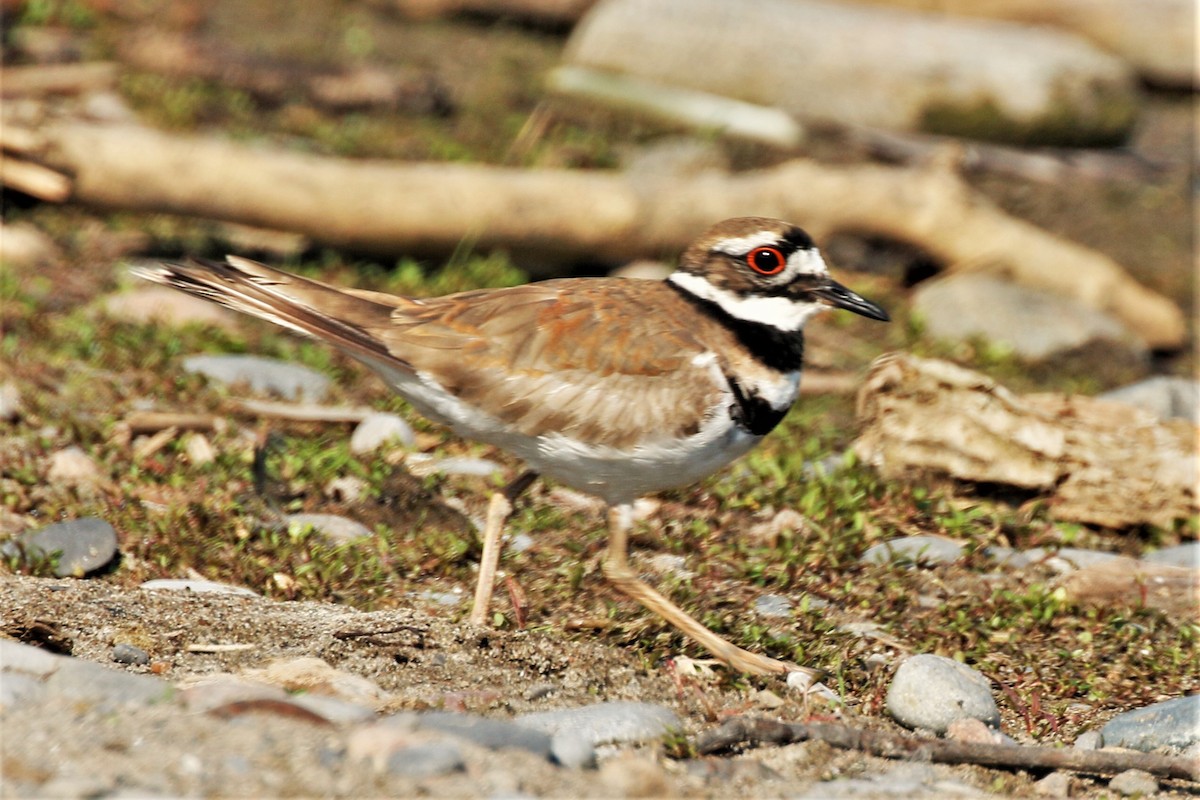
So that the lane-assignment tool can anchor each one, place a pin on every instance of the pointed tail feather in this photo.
(300, 304)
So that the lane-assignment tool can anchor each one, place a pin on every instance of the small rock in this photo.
(199, 450)
(266, 375)
(931, 691)
(346, 489)
(1172, 723)
(1062, 560)
(773, 606)
(393, 745)
(973, 731)
(632, 775)
(1056, 784)
(334, 528)
(87, 682)
(124, 653)
(1163, 396)
(311, 674)
(520, 543)
(18, 689)
(617, 722)
(73, 467)
(1134, 782)
(197, 586)
(83, 546)
(447, 599)
(1035, 323)
(765, 698)
(572, 750)
(421, 466)
(107, 107)
(1089, 740)
(490, 733)
(426, 760)
(670, 565)
(25, 658)
(11, 407)
(377, 429)
(1181, 555)
(914, 550)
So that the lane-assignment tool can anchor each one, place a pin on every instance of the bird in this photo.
(615, 387)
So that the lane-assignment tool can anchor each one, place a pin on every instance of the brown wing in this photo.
(595, 359)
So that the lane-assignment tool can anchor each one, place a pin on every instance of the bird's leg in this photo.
(500, 507)
(617, 570)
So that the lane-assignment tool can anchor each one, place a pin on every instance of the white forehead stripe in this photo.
(806, 262)
(741, 245)
(780, 313)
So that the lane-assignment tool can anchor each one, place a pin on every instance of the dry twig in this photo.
(755, 731)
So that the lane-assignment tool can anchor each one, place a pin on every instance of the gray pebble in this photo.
(1062, 560)
(520, 543)
(20, 657)
(485, 732)
(105, 688)
(18, 689)
(931, 691)
(426, 760)
(1181, 555)
(447, 599)
(1172, 723)
(265, 375)
(1134, 782)
(773, 606)
(1089, 740)
(124, 653)
(197, 586)
(334, 528)
(617, 722)
(571, 749)
(914, 550)
(1164, 396)
(83, 546)
(377, 429)
(1056, 784)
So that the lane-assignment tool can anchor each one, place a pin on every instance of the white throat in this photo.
(778, 312)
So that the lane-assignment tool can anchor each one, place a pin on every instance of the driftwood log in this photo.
(755, 731)
(546, 215)
(1097, 462)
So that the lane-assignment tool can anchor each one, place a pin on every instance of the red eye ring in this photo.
(766, 260)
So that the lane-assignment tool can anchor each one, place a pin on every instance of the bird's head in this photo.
(766, 271)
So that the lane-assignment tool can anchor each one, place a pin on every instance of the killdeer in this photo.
(614, 387)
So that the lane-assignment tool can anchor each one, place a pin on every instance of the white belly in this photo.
(614, 475)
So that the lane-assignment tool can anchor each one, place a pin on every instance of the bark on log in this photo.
(551, 215)
(1098, 462)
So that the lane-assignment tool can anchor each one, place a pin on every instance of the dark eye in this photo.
(766, 260)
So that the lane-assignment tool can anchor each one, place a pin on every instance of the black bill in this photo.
(834, 294)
